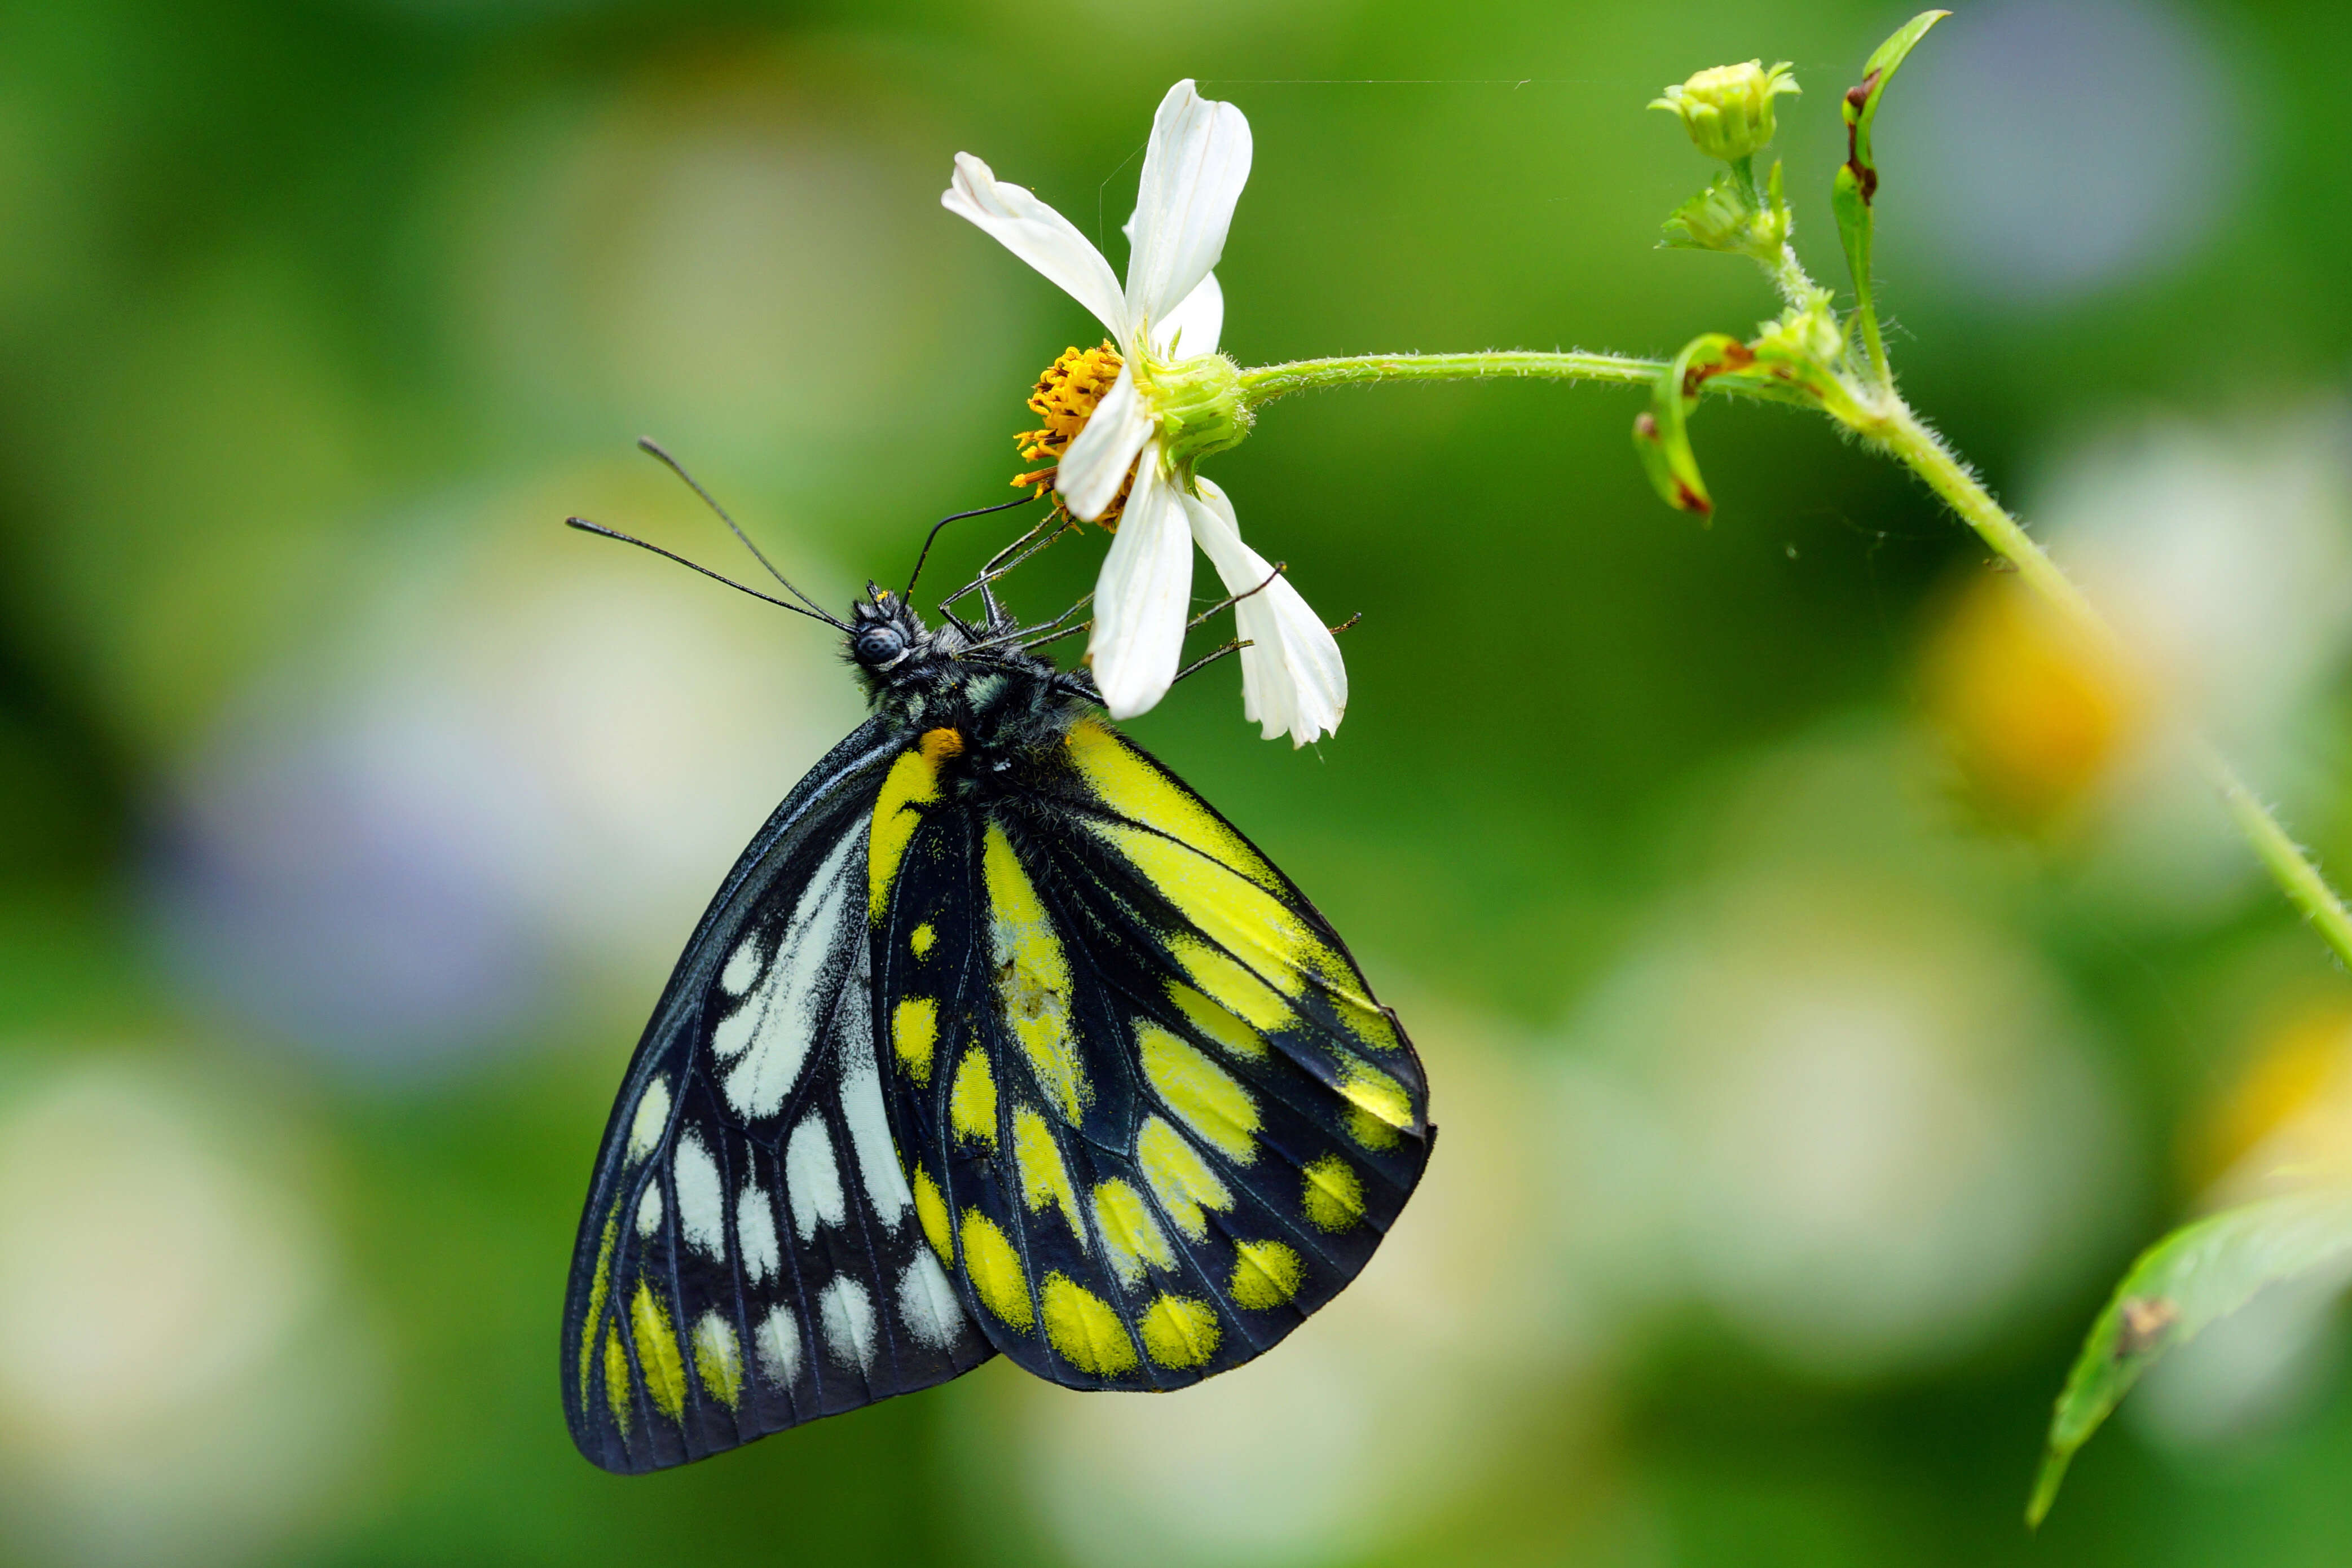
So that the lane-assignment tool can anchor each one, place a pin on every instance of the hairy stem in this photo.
(1264, 384)
(1901, 432)
(2289, 866)
(1788, 276)
(1883, 417)
(1872, 339)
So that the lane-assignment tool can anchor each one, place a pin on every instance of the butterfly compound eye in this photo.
(878, 645)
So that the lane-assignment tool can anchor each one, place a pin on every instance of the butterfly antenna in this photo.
(959, 517)
(654, 450)
(585, 526)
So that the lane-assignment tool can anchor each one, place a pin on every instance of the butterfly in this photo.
(997, 1038)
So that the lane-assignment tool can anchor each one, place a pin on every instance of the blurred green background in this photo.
(1825, 982)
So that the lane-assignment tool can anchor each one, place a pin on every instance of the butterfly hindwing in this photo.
(749, 1257)
(1153, 1118)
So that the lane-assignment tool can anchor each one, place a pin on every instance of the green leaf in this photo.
(1856, 185)
(1862, 101)
(1852, 211)
(2200, 1273)
(1662, 435)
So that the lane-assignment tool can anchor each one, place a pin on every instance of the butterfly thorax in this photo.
(1005, 704)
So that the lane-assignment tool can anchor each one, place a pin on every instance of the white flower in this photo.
(1198, 160)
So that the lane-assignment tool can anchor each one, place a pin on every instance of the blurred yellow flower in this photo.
(2037, 713)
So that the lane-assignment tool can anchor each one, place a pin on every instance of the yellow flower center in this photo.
(1067, 396)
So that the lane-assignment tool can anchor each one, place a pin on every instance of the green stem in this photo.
(1901, 432)
(1743, 173)
(2289, 866)
(1872, 339)
(1264, 384)
(1879, 415)
(1924, 452)
(1788, 276)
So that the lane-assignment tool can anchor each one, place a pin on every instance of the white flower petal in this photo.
(1193, 327)
(1194, 171)
(1097, 461)
(1292, 680)
(1143, 599)
(1040, 236)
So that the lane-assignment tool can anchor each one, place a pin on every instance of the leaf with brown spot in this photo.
(2199, 1274)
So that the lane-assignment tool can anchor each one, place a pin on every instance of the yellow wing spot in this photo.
(657, 1352)
(913, 781)
(1135, 789)
(995, 1270)
(616, 1379)
(1178, 1178)
(1229, 1032)
(1359, 1014)
(1083, 1329)
(1368, 1130)
(1234, 987)
(1265, 1274)
(1230, 910)
(1333, 1196)
(932, 1210)
(1131, 1237)
(1202, 1094)
(1044, 1178)
(1032, 977)
(599, 1284)
(921, 939)
(914, 1030)
(719, 1358)
(1180, 1331)
(1375, 1093)
(972, 1101)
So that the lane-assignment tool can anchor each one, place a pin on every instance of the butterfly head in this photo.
(883, 631)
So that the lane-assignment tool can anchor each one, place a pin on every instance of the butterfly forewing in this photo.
(749, 1257)
(1153, 1117)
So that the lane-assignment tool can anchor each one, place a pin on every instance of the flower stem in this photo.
(2289, 866)
(1902, 433)
(1264, 384)
(1925, 453)
(1790, 277)
(1880, 416)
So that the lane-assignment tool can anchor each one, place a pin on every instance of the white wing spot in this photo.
(742, 968)
(812, 1178)
(847, 1313)
(927, 1302)
(869, 1134)
(777, 1023)
(778, 1341)
(755, 1232)
(650, 1209)
(701, 1198)
(652, 1120)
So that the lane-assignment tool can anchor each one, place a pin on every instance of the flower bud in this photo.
(1727, 110)
(1728, 215)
